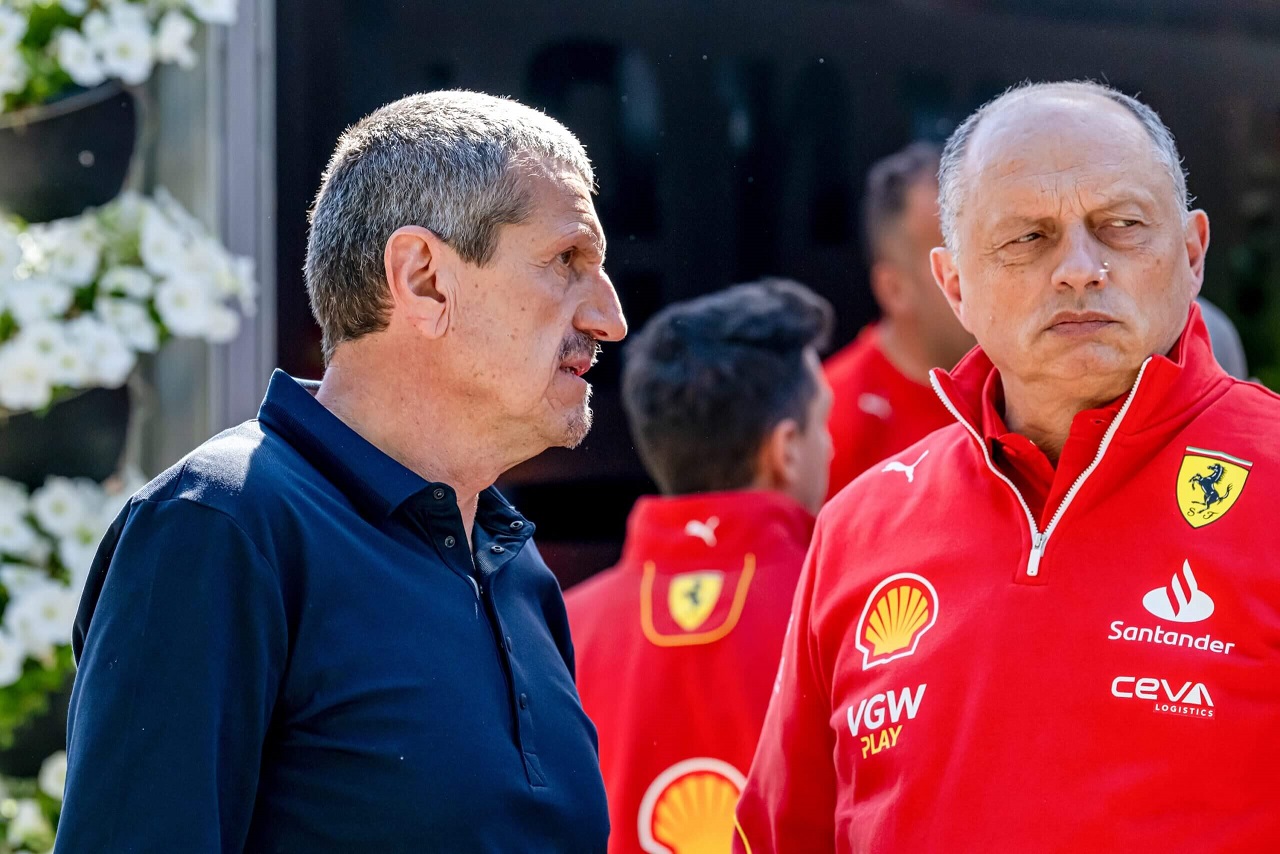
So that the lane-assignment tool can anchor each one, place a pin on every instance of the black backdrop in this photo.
(730, 140)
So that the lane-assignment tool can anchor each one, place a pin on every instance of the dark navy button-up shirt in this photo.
(286, 645)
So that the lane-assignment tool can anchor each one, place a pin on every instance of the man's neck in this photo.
(432, 441)
(1044, 414)
(905, 351)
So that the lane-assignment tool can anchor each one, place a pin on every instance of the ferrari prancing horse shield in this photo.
(1209, 483)
(692, 596)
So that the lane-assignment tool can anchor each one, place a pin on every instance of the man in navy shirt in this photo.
(324, 630)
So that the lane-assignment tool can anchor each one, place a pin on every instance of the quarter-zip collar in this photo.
(1168, 390)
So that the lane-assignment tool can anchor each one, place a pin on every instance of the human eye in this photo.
(1029, 237)
(566, 257)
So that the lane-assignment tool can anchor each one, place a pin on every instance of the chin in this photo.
(576, 429)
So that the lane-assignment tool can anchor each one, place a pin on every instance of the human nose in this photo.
(600, 316)
(1081, 265)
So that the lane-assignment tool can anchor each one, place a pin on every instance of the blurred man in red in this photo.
(883, 402)
(677, 646)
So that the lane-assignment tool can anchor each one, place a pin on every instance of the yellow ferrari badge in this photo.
(1209, 483)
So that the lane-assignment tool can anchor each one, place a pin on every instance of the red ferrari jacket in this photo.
(962, 674)
(677, 649)
(876, 410)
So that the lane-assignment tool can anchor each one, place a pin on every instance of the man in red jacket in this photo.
(677, 645)
(1055, 624)
(883, 402)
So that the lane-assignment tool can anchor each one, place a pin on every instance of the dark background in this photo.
(730, 141)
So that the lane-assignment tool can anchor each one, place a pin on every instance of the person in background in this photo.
(883, 402)
(1053, 624)
(324, 630)
(677, 645)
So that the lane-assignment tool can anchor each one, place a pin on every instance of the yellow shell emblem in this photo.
(899, 610)
(692, 596)
(689, 808)
(1209, 482)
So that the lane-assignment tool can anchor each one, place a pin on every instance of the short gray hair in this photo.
(951, 193)
(446, 161)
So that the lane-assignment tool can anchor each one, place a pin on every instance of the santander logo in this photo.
(1181, 600)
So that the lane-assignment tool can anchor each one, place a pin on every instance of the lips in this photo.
(1080, 321)
(578, 363)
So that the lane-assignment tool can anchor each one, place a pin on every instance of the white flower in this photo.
(10, 252)
(13, 26)
(163, 246)
(12, 656)
(173, 39)
(74, 254)
(126, 51)
(74, 7)
(20, 578)
(222, 325)
(133, 282)
(33, 300)
(59, 506)
(185, 306)
(214, 11)
(25, 382)
(53, 772)
(127, 13)
(42, 618)
(107, 357)
(13, 497)
(29, 827)
(78, 58)
(16, 536)
(132, 320)
(95, 27)
(13, 70)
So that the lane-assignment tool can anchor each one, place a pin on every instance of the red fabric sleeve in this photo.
(789, 800)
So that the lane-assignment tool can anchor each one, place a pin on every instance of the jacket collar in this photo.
(704, 528)
(1169, 386)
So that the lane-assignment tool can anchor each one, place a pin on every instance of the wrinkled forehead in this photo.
(1053, 146)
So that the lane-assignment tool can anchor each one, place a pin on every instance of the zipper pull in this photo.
(1037, 552)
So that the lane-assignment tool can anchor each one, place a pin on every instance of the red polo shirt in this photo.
(677, 649)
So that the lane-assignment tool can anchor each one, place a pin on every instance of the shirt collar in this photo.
(673, 530)
(372, 481)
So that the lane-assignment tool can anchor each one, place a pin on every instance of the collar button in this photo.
(497, 549)
(438, 495)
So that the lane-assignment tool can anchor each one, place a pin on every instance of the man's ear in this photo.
(778, 460)
(947, 275)
(421, 295)
(1197, 241)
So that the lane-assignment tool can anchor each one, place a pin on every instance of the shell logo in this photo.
(898, 612)
(689, 808)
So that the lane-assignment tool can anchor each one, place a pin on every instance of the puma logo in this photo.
(705, 531)
(908, 470)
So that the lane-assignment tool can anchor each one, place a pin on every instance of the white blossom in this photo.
(35, 299)
(53, 771)
(25, 382)
(95, 27)
(222, 325)
(13, 26)
(127, 52)
(74, 7)
(73, 251)
(78, 58)
(214, 11)
(12, 656)
(59, 506)
(21, 578)
(185, 306)
(107, 356)
(13, 497)
(42, 618)
(13, 70)
(132, 320)
(29, 827)
(17, 537)
(173, 39)
(10, 252)
(163, 245)
(128, 281)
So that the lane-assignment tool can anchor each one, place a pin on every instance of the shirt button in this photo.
(497, 549)
(524, 701)
(449, 542)
(439, 494)
(517, 525)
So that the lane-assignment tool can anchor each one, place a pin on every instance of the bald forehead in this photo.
(1057, 124)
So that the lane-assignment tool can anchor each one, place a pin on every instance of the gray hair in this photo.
(446, 161)
(951, 193)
